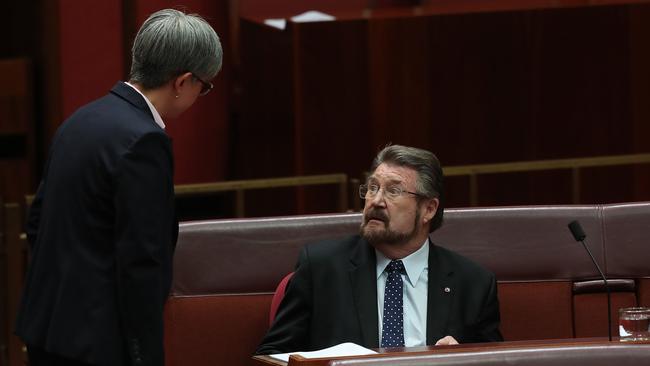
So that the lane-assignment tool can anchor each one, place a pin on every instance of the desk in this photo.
(574, 352)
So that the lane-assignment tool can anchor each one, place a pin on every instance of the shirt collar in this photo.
(415, 263)
(154, 112)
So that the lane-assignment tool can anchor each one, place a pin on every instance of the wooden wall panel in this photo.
(16, 128)
(331, 97)
(640, 92)
(91, 50)
(474, 88)
(4, 291)
(264, 134)
(200, 135)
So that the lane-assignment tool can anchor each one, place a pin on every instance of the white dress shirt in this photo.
(154, 112)
(416, 282)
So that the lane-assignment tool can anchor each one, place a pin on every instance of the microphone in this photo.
(579, 235)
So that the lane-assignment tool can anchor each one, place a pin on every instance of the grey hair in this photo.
(171, 43)
(430, 180)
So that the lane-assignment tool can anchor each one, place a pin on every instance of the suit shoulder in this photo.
(332, 248)
(117, 115)
(460, 263)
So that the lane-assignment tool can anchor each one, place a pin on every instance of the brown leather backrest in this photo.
(626, 230)
(248, 255)
(517, 243)
(535, 259)
(529, 243)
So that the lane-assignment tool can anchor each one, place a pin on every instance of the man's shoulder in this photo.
(335, 256)
(459, 263)
(335, 246)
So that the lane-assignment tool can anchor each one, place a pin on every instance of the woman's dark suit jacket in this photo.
(102, 230)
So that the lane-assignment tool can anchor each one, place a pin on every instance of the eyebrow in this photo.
(389, 181)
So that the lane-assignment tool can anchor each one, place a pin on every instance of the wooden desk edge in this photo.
(470, 347)
(268, 360)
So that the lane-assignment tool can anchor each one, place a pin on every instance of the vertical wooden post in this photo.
(16, 250)
(575, 184)
(4, 295)
(356, 200)
(240, 204)
(473, 189)
(343, 194)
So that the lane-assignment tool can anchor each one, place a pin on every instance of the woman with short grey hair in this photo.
(102, 226)
(175, 49)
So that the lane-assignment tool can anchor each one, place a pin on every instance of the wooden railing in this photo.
(14, 261)
(240, 186)
(473, 171)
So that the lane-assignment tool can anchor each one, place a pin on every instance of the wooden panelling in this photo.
(4, 291)
(15, 252)
(16, 128)
(473, 87)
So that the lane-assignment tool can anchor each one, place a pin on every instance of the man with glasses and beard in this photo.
(389, 286)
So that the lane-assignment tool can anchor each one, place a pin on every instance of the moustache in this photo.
(375, 214)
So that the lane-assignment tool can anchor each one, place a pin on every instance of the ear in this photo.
(181, 82)
(430, 209)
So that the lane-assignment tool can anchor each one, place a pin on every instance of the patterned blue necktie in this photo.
(392, 333)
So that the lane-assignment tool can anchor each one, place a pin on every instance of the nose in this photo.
(378, 200)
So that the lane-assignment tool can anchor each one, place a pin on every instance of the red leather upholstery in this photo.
(278, 296)
(218, 329)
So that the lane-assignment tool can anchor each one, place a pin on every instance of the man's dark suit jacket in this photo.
(332, 298)
(102, 230)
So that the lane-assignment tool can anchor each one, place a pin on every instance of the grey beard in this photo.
(389, 236)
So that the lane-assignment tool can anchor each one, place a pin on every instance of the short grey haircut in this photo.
(429, 182)
(171, 43)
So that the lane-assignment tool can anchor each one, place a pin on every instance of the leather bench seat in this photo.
(225, 272)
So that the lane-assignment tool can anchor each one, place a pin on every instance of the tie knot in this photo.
(395, 266)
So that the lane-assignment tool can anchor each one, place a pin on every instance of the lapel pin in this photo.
(447, 290)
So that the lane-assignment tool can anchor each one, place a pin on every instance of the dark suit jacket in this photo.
(102, 230)
(332, 298)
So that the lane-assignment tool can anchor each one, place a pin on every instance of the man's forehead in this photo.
(393, 173)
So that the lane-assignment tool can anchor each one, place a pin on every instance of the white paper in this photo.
(312, 16)
(279, 23)
(622, 332)
(308, 16)
(340, 350)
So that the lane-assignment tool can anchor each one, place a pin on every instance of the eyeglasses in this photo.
(205, 88)
(391, 192)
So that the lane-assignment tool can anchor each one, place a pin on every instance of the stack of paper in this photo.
(340, 350)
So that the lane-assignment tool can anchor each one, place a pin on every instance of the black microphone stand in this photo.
(580, 236)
